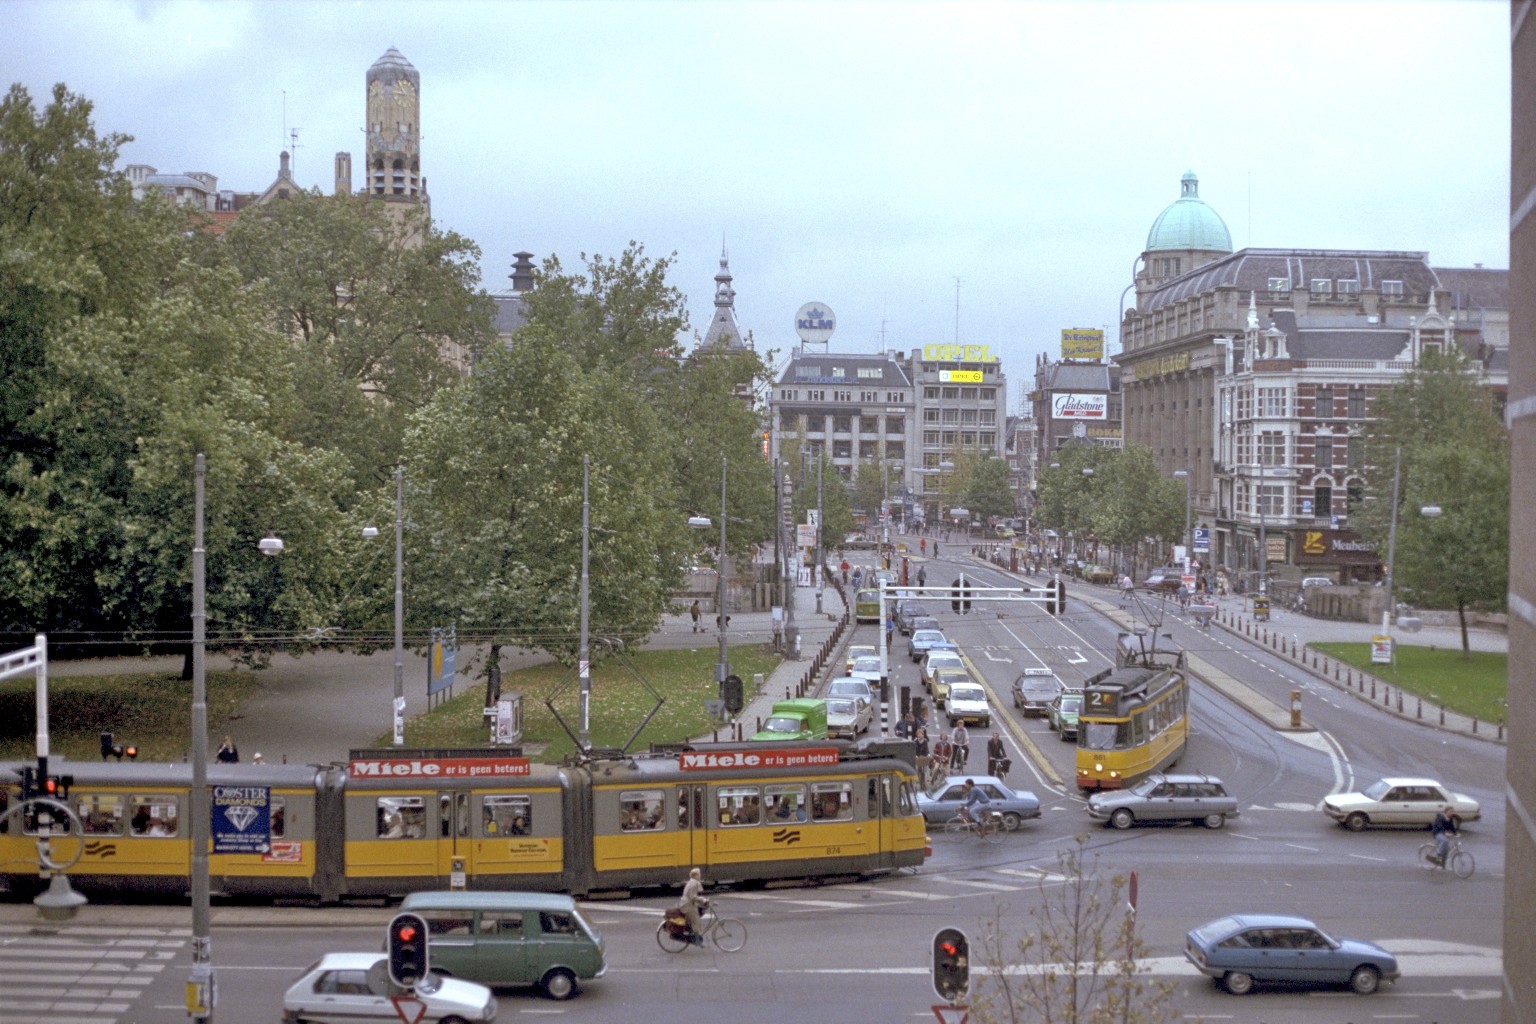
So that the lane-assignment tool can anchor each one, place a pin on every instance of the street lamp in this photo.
(398, 712)
(201, 984)
(722, 668)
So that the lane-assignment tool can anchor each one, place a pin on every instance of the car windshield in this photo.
(866, 665)
(839, 707)
(782, 725)
(1377, 790)
(850, 687)
(966, 693)
(1072, 704)
(1146, 786)
(928, 636)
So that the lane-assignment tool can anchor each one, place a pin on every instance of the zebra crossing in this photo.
(80, 974)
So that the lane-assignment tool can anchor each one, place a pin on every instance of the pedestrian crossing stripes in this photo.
(65, 974)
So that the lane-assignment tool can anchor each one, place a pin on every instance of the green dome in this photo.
(1189, 223)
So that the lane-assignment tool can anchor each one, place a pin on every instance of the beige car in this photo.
(943, 679)
(933, 661)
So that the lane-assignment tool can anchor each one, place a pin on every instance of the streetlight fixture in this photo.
(1189, 492)
(722, 667)
(397, 716)
(202, 987)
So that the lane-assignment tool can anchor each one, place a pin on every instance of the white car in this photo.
(1398, 801)
(856, 689)
(867, 668)
(937, 660)
(857, 651)
(848, 717)
(356, 987)
(967, 702)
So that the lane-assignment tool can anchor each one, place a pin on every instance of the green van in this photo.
(510, 938)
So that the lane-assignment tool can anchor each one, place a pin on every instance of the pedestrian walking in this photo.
(922, 576)
(694, 611)
(1127, 588)
(920, 742)
(922, 545)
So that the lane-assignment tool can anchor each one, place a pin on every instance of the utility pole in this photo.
(1386, 608)
(821, 556)
(583, 651)
(202, 987)
(723, 669)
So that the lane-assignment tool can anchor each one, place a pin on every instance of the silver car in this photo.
(354, 987)
(1199, 798)
(848, 718)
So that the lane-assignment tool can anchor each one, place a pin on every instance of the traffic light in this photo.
(961, 601)
(28, 782)
(407, 950)
(56, 787)
(107, 748)
(1061, 597)
(117, 750)
(951, 964)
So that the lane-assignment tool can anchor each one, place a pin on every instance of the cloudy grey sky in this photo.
(864, 155)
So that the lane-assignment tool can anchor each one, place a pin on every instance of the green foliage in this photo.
(1076, 961)
(1471, 683)
(1123, 501)
(987, 493)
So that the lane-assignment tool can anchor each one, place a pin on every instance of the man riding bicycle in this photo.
(971, 798)
(1444, 830)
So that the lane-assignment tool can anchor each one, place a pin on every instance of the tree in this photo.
(987, 493)
(1454, 454)
(1076, 961)
(382, 311)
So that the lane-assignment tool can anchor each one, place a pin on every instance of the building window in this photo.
(871, 371)
(841, 449)
(895, 424)
(967, 415)
(895, 450)
(989, 394)
(947, 438)
(867, 449)
(842, 424)
(1322, 506)
(968, 438)
(896, 397)
(1272, 448)
(816, 423)
(930, 415)
(1322, 288)
(1356, 453)
(931, 394)
(838, 371)
(987, 416)
(1273, 404)
(930, 439)
(1324, 402)
(951, 394)
(788, 420)
(1356, 403)
(842, 396)
(1393, 288)
(1272, 500)
(988, 438)
(1348, 288)
(951, 415)
(807, 370)
(1279, 285)
(1322, 457)
(789, 396)
(816, 396)
(968, 394)
(869, 396)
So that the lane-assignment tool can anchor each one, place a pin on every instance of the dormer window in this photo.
(1393, 288)
(1322, 288)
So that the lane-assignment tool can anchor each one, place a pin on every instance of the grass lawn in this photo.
(1475, 686)
(151, 710)
(154, 711)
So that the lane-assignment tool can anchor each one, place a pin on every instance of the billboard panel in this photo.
(1068, 405)
(1082, 343)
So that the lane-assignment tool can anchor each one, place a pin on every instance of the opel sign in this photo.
(815, 322)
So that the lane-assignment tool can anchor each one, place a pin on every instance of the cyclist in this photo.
(971, 796)
(692, 902)
(1444, 830)
(960, 747)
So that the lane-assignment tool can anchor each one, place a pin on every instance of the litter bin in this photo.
(731, 694)
(1261, 609)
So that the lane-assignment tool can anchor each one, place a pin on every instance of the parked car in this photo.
(1098, 574)
(1062, 713)
(906, 612)
(924, 639)
(1166, 798)
(848, 718)
(939, 658)
(944, 677)
(1035, 689)
(1398, 801)
(849, 686)
(510, 938)
(943, 801)
(356, 987)
(1169, 578)
(967, 702)
(1241, 949)
(857, 651)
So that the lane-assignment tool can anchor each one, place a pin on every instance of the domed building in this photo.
(1186, 235)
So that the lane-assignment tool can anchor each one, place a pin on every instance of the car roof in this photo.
(347, 961)
(1396, 780)
(448, 899)
(1271, 921)
(1183, 777)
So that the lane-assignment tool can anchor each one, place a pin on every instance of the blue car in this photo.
(943, 801)
(1242, 949)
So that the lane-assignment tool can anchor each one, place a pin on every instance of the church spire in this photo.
(723, 331)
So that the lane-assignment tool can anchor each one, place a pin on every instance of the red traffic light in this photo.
(406, 933)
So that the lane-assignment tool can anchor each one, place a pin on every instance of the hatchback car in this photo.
(848, 718)
(1062, 714)
(937, 658)
(1241, 949)
(943, 801)
(1166, 798)
(1399, 802)
(967, 702)
(356, 987)
(1169, 579)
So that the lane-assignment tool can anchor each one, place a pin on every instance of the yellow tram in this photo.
(385, 824)
(1134, 721)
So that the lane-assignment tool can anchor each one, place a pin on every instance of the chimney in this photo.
(522, 272)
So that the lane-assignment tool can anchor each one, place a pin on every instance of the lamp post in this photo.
(397, 714)
(723, 668)
(821, 555)
(583, 652)
(1189, 492)
(201, 985)
(786, 578)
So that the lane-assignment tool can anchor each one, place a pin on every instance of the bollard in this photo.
(1295, 709)
(1420, 712)
(1474, 726)
(1373, 687)
(1399, 701)
(1442, 714)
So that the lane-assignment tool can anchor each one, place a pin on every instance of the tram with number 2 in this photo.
(387, 823)
(1134, 718)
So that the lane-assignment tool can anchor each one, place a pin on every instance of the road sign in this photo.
(1203, 539)
(952, 1014)
(410, 1009)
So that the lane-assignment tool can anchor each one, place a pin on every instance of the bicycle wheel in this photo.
(1426, 856)
(729, 934)
(1463, 864)
(990, 831)
(669, 942)
(954, 828)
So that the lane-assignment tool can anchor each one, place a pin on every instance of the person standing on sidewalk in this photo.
(694, 611)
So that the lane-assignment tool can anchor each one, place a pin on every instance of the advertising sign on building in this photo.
(961, 376)
(958, 353)
(1082, 343)
(1069, 405)
(815, 322)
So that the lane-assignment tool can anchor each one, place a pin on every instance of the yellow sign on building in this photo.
(1082, 343)
(958, 353)
(961, 376)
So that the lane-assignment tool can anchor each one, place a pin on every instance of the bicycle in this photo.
(989, 829)
(727, 933)
(1459, 861)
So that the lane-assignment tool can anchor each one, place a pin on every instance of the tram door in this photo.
(882, 818)
(452, 831)
(693, 823)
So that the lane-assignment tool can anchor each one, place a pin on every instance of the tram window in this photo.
(640, 810)
(401, 817)
(100, 815)
(153, 815)
(832, 801)
(785, 803)
(277, 817)
(682, 807)
(1101, 735)
(453, 814)
(507, 815)
(5, 805)
(739, 805)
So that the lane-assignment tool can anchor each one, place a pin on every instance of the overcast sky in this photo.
(863, 155)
